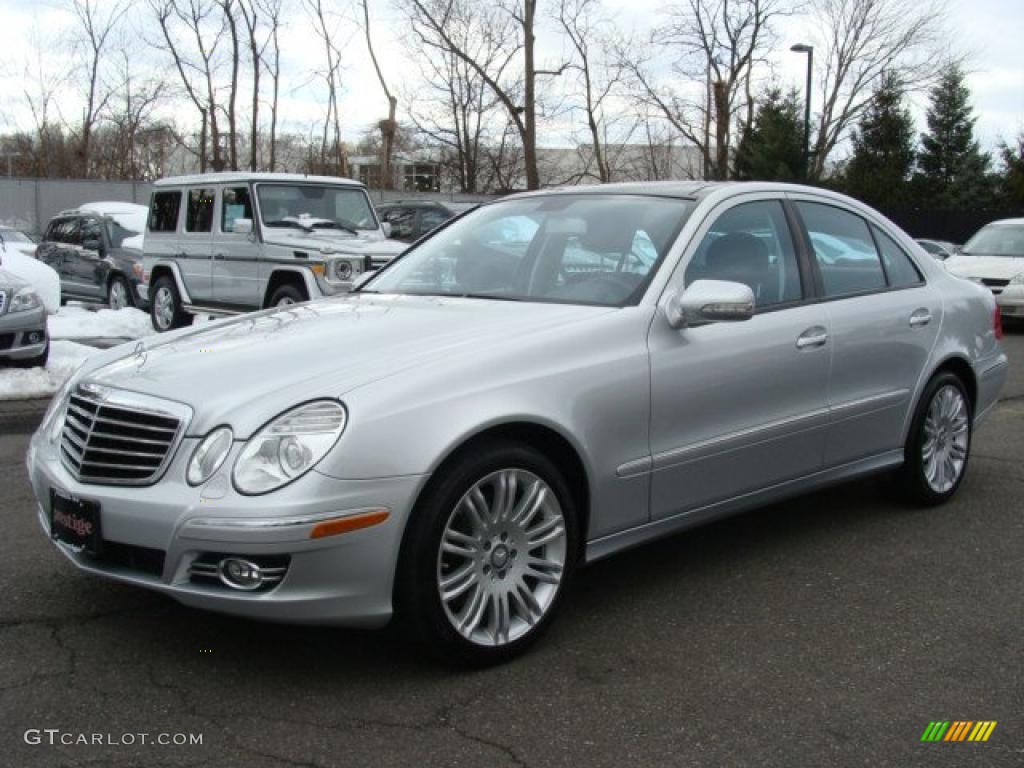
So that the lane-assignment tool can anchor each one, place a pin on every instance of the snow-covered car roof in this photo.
(131, 216)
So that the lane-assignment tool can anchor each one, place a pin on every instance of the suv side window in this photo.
(199, 214)
(898, 267)
(163, 213)
(235, 204)
(68, 232)
(751, 244)
(91, 229)
(402, 220)
(844, 249)
(431, 218)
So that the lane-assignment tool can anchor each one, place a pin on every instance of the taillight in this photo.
(997, 324)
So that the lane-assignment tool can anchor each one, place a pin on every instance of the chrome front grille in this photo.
(114, 437)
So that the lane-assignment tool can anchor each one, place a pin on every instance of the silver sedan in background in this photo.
(543, 382)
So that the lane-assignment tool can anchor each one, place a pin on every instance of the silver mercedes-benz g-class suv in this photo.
(225, 243)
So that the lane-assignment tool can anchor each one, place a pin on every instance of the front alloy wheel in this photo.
(488, 553)
(118, 296)
(501, 557)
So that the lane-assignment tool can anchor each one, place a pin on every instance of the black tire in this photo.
(418, 602)
(117, 282)
(179, 317)
(912, 481)
(287, 294)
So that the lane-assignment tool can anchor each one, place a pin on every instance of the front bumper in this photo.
(23, 334)
(344, 579)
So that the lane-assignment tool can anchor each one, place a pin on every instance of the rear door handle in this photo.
(812, 337)
(920, 318)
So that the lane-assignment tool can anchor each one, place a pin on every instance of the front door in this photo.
(236, 279)
(740, 406)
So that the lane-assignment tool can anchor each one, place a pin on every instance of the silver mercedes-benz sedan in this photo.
(542, 382)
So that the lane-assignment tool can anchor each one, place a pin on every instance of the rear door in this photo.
(884, 319)
(196, 242)
(85, 266)
(236, 266)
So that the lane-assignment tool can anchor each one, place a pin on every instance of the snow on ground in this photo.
(65, 359)
(75, 321)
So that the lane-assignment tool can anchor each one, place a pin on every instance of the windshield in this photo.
(311, 207)
(578, 249)
(997, 240)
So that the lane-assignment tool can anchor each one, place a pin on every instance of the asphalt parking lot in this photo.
(827, 631)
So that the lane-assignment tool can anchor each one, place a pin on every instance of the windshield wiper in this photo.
(334, 225)
(286, 223)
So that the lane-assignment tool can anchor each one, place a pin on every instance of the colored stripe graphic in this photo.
(958, 730)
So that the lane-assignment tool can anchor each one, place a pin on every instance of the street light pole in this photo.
(809, 50)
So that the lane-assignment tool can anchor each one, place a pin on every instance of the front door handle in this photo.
(920, 318)
(815, 336)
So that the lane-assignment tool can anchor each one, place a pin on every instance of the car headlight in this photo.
(24, 300)
(209, 455)
(289, 446)
(344, 270)
(53, 419)
(1018, 279)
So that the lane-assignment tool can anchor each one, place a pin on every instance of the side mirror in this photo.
(92, 244)
(710, 301)
(242, 226)
(385, 227)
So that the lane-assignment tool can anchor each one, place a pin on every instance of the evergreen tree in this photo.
(772, 148)
(952, 167)
(1013, 174)
(883, 149)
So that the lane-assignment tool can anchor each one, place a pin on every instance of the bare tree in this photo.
(860, 41)
(513, 24)
(389, 126)
(130, 117)
(94, 28)
(272, 61)
(719, 43)
(599, 72)
(197, 63)
(332, 121)
(231, 23)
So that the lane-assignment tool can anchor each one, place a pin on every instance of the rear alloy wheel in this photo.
(488, 555)
(286, 295)
(118, 293)
(939, 444)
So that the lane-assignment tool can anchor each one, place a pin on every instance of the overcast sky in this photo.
(991, 31)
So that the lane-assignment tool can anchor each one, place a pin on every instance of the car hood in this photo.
(991, 267)
(335, 242)
(10, 281)
(283, 357)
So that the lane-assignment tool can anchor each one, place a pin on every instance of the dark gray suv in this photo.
(98, 254)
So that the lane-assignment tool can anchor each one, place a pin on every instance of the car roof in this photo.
(688, 190)
(227, 177)
(1005, 222)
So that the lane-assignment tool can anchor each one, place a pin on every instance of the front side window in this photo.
(92, 232)
(199, 215)
(236, 204)
(579, 249)
(68, 232)
(163, 211)
(844, 250)
(751, 244)
(314, 206)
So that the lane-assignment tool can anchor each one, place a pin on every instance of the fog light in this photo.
(35, 337)
(240, 574)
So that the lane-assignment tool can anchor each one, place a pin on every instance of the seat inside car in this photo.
(741, 257)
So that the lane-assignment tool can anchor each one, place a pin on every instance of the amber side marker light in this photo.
(349, 524)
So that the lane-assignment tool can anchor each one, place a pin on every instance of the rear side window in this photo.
(431, 218)
(199, 215)
(898, 267)
(844, 250)
(237, 204)
(67, 231)
(163, 211)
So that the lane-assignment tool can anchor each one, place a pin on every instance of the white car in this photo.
(994, 257)
(17, 256)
